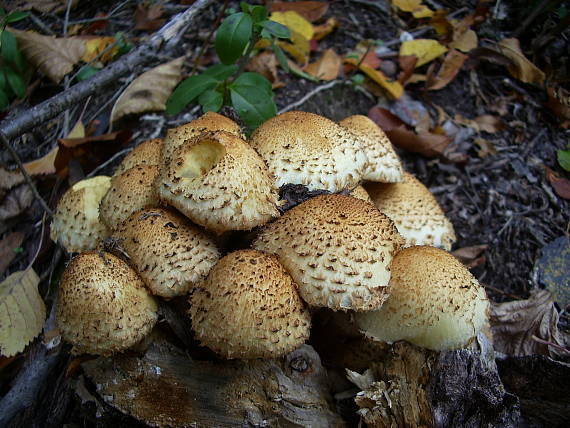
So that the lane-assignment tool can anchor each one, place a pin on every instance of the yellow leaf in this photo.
(521, 68)
(78, 130)
(465, 42)
(43, 165)
(325, 29)
(22, 311)
(55, 57)
(394, 88)
(299, 49)
(327, 67)
(425, 49)
(149, 91)
(416, 7)
(97, 45)
(295, 22)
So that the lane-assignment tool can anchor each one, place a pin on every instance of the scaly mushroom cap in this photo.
(384, 165)
(76, 223)
(129, 192)
(146, 153)
(338, 250)
(208, 122)
(248, 307)
(305, 148)
(170, 254)
(360, 192)
(219, 182)
(103, 306)
(435, 302)
(418, 216)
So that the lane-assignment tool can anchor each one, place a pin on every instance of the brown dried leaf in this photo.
(310, 10)
(149, 91)
(559, 102)
(486, 147)
(266, 64)
(452, 63)
(561, 185)
(521, 68)
(471, 256)
(489, 123)
(407, 65)
(16, 201)
(326, 67)
(465, 42)
(148, 17)
(515, 323)
(43, 165)
(55, 57)
(9, 179)
(7, 246)
(325, 29)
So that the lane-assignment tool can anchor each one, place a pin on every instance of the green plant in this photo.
(249, 93)
(12, 63)
(564, 158)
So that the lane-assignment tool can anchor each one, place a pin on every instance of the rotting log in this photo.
(164, 387)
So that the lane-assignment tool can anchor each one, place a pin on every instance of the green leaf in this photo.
(187, 91)
(86, 72)
(3, 81)
(123, 46)
(281, 58)
(16, 16)
(564, 159)
(211, 100)
(300, 73)
(276, 29)
(16, 83)
(258, 13)
(4, 101)
(9, 50)
(252, 99)
(221, 72)
(233, 36)
(358, 79)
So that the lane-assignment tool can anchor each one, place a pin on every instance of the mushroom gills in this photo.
(202, 158)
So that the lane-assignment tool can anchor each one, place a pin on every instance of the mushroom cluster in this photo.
(169, 202)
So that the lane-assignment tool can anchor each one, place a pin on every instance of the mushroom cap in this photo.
(208, 122)
(418, 216)
(338, 250)
(129, 192)
(248, 307)
(383, 165)
(76, 223)
(435, 302)
(146, 153)
(103, 306)
(360, 192)
(219, 182)
(170, 254)
(305, 148)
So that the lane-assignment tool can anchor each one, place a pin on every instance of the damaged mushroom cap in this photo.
(435, 302)
(219, 182)
(248, 307)
(146, 153)
(169, 253)
(129, 192)
(384, 165)
(208, 122)
(305, 148)
(103, 306)
(418, 216)
(338, 250)
(76, 223)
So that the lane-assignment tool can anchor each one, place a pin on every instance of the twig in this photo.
(554, 345)
(29, 180)
(163, 39)
(108, 161)
(311, 94)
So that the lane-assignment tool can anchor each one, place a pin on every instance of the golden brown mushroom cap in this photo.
(305, 148)
(435, 302)
(76, 223)
(248, 307)
(103, 306)
(360, 192)
(146, 153)
(338, 250)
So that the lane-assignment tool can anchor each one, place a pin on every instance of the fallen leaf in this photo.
(393, 87)
(561, 185)
(325, 29)
(22, 311)
(310, 10)
(55, 57)
(299, 49)
(559, 102)
(441, 24)
(149, 91)
(43, 165)
(295, 22)
(385, 119)
(45, 6)
(415, 7)
(407, 65)
(95, 48)
(489, 123)
(7, 246)
(10, 178)
(265, 64)
(471, 256)
(486, 147)
(326, 67)
(514, 324)
(466, 42)
(451, 65)
(425, 49)
(521, 68)
(16, 201)
(148, 17)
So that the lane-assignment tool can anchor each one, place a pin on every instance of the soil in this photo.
(502, 200)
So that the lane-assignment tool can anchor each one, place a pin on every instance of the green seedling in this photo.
(12, 63)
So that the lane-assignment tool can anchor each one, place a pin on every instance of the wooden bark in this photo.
(167, 388)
